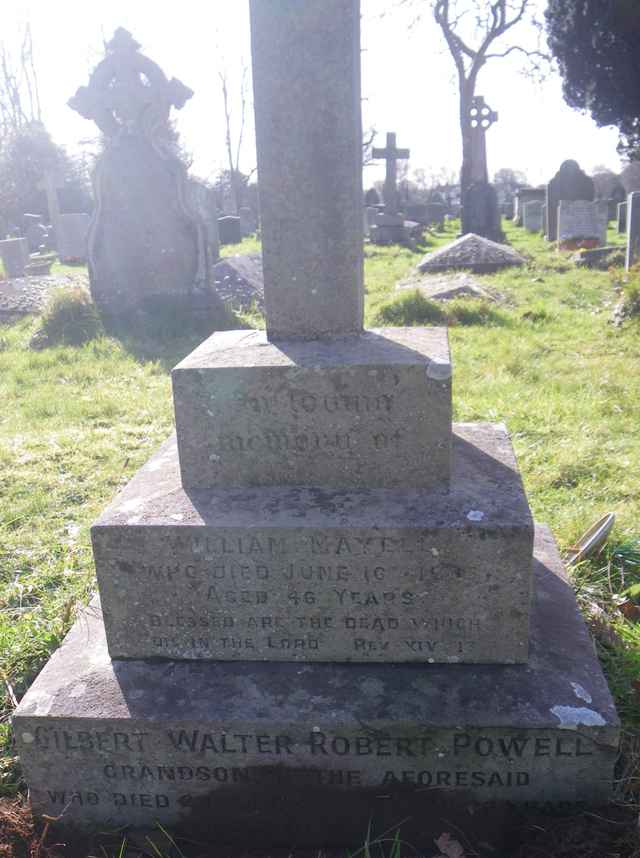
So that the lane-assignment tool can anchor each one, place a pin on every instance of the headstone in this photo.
(524, 196)
(72, 234)
(622, 218)
(14, 253)
(617, 195)
(372, 197)
(35, 232)
(481, 117)
(532, 216)
(229, 229)
(390, 229)
(391, 155)
(633, 229)
(582, 224)
(294, 620)
(202, 201)
(145, 246)
(570, 184)
(480, 213)
(248, 224)
(428, 214)
(471, 252)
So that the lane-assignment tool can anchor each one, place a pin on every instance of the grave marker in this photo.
(571, 184)
(285, 553)
(582, 224)
(633, 229)
(391, 155)
(532, 216)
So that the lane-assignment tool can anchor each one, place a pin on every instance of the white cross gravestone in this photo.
(322, 592)
(391, 155)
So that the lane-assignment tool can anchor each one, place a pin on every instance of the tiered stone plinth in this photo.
(372, 410)
(322, 574)
(285, 753)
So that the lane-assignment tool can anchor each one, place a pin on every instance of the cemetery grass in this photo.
(77, 422)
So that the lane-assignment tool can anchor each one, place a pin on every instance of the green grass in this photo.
(77, 422)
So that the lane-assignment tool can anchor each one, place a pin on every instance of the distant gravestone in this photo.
(14, 253)
(229, 229)
(145, 246)
(582, 223)
(622, 218)
(633, 229)
(569, 183)
(248, 223)
(532, 216)
(391, 155)
(202, 202)
(35, 232)
(372, 197)
(72, 236)
(616, 196)
(524, 196)
(428, 214)
(480, 212)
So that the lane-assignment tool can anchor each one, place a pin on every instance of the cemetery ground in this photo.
(545, 357)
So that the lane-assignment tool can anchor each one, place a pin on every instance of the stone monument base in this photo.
(292, 574)
(293, 754)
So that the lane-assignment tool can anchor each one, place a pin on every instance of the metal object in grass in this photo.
(591, 540)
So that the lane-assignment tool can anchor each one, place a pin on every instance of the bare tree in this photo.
(471, 29)
(367, 145)
(19, 94)
(238, 180)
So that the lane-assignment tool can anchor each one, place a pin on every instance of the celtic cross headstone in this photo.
(146, 242)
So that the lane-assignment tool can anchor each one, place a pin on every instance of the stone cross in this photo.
(481, 118)
(129, 92)
(392, 155)
(306, 79)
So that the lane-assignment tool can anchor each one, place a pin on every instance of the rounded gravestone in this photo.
(569, 183)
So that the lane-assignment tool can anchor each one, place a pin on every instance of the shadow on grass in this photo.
(169, 329)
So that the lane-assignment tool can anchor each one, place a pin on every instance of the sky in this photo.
(408, 83)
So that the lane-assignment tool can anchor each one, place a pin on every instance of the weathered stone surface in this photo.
(581, 221)
(569, 183)
(428, 214)
(72, 232)
(472, 252)
(202, 202)
(319, 575)
(369, 410)
(622, 218)
(230, 229)
(480, 212)
(306, 79)
(239, 280)
(532, 216)
(633, 229)
(524, 196)
(14, 253)
(144, 243)
(141, 742)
